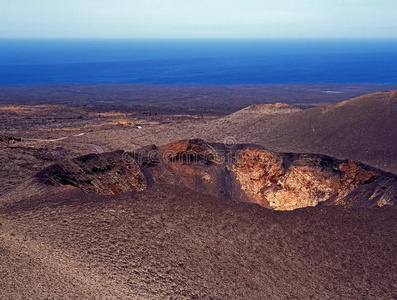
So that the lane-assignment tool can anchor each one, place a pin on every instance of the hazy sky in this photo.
(198, 18)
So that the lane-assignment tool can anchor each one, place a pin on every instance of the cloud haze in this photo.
(198, 19)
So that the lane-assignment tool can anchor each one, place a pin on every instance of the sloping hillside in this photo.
(363, 129)
(172, 243)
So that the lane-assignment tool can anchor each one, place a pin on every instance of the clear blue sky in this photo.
(198, 18)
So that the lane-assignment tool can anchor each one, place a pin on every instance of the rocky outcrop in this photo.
(245, 173)
(104, 174)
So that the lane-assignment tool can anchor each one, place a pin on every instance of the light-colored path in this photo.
(96, 147)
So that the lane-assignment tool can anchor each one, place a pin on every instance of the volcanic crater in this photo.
(244, 173)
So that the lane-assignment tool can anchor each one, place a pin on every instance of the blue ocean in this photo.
(185, 62)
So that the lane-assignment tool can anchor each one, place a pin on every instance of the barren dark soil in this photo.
(170, 243)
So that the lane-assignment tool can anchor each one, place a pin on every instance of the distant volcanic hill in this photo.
(363, 129)
(245, 173)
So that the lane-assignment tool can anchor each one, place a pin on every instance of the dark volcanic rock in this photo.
(105, 174)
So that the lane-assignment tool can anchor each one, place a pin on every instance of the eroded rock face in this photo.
(257, 171)
(245, 173)
(287, 183)
(352, 176)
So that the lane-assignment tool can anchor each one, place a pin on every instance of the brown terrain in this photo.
(171, 243)
(198, 198)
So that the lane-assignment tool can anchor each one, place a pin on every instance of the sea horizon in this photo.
(41, 61)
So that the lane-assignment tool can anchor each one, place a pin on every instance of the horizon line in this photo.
(198, 38)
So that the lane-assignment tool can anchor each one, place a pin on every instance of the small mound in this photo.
(277, 108)
(263, 110)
